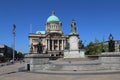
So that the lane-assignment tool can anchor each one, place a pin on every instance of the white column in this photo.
(62, 44)
(33, 49)
(52, 44)
(48, 44)
(58, 45)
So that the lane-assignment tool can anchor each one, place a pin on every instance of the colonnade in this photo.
(55, 44)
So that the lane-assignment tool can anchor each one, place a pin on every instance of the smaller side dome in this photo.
(40, 32)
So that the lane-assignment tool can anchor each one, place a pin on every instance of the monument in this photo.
(74, 50)
(111, 44)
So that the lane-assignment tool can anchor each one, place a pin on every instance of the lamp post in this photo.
(14, 31)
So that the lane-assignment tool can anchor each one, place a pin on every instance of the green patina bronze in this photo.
(53, 18)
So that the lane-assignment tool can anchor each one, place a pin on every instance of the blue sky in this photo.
(94, 19)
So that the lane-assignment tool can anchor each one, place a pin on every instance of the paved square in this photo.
(11, 72)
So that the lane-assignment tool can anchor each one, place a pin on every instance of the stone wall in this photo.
(107, 61)
(35, 60)
(110, 60)
(70, 66)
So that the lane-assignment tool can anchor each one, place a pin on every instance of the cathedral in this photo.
(51, 41)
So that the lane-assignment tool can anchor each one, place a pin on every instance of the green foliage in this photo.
(96, 47)
(19, 55)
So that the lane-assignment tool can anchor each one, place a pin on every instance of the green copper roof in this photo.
(53, 18)
(40, 32)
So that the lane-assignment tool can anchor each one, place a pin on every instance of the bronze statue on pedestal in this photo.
(39, 47)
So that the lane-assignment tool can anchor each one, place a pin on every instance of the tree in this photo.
(20, 55)
(96, 47)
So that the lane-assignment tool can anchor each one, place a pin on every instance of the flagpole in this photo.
(14, 31)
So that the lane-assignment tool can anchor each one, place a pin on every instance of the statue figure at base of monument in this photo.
(39, 47)
(81, 45)
(31, 48)
(67, 47)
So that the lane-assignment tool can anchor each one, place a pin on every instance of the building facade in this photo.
(6, 52)
(52, 40)
(117, 45)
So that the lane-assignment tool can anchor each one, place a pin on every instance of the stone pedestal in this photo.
(74, 54)
(82, 53)
(74, 51)
(73, 40)
(36, 61)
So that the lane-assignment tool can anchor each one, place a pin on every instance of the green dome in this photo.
(52, 18)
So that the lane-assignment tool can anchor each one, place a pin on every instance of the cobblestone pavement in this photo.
(11, 72)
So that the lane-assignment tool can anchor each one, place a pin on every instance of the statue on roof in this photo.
(53, 12)
(73, 26)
